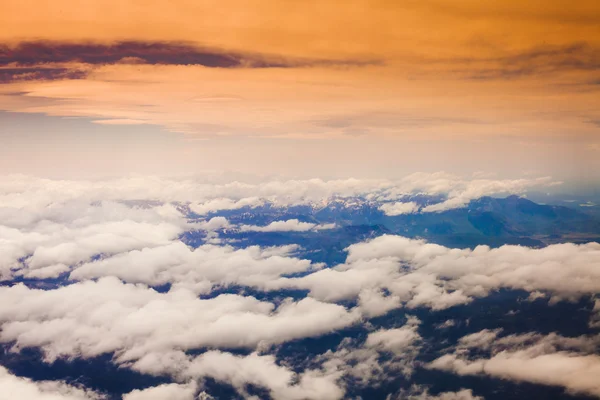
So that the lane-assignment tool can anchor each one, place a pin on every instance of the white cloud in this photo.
(52, 227)
(171, 391)
(446, 324)
(550, 360)
(400, 345)
(13, 387)
(290, 225)
(483, 339)
(51, 224)
(396, 341)
(207, 194)
(213, 224)
(417, 273)
(418, 393)
(264, 372)
(224, 204)
(240, 370)
(459, 190)
(198, 269)
(399, 208)
(91, 318)
(53, 238)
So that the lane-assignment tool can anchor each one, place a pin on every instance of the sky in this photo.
(328, 89)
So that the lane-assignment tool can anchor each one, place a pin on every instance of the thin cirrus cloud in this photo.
(542, 59)
(38, 60)
(8, 75)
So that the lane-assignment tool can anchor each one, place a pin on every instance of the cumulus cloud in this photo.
(364, 362)
(213, 224)
(91, 318)
(418, 393)
(420, 274)
(393, 340)
(44, 242)
(290, 225)
(263, 371)
(256, 369)
(550, 360)
(204, 193)
(14, 387)
(467, 191)
(198, 269)
(399, 208)
(225, 204)
(114, 239)
(458, 190)
(171, 391)
(208, 194)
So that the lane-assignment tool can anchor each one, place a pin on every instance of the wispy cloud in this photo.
(51, 60)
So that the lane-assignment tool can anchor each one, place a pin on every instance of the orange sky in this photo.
(398, 72)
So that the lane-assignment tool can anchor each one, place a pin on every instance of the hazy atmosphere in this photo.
(311, 89)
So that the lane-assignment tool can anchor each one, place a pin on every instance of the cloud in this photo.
(418, 393)
(399, 208)
(46, 241)
(449, 323)
(200, 269)
(549, 360)
(14, 387)
(385, 353)
(225, 204)
(29, 60)
(462, 191)
(206, 194)
(290, 225)
(171, 391)
(393, 340)
(105, 316)
(214, 224)
(546, 59)
(457, 190)
(9, 75)
(116, 238)
(420, 274)
(263, 371)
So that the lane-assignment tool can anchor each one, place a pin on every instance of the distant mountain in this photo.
(487, 220)
(496, 221)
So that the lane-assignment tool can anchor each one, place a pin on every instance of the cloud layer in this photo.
(102, 268)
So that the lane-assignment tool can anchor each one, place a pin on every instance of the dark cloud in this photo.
(595, 122)
(8, 75)
(33, 53)
(539, 60)
(25, 59)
